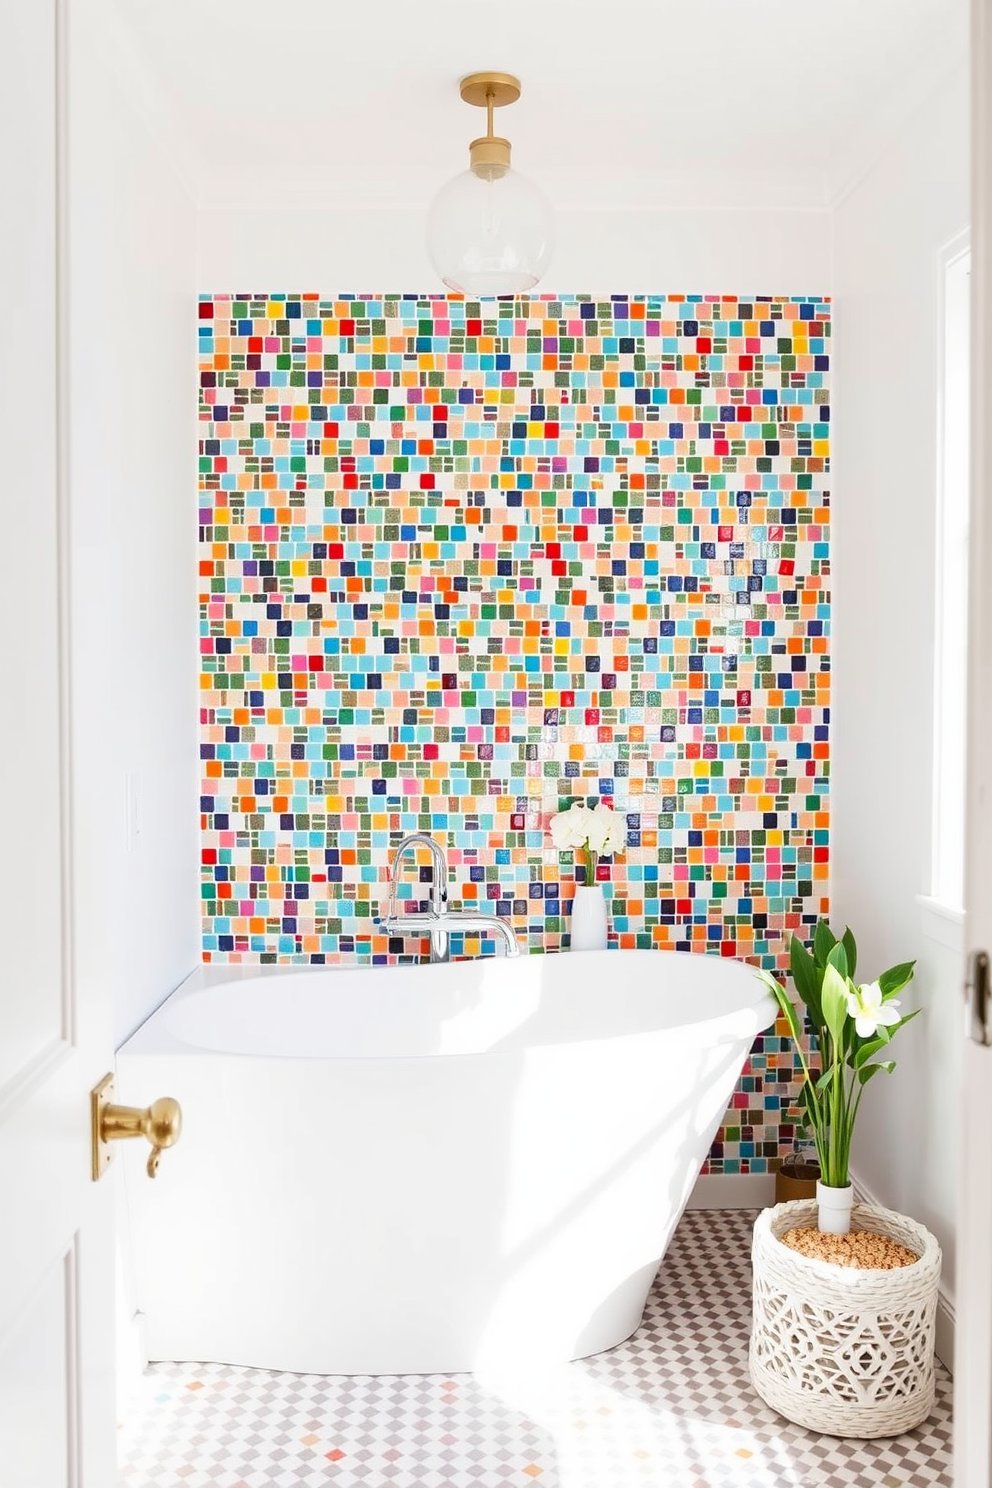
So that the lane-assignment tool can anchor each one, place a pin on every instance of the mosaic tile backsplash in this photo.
(466, 562)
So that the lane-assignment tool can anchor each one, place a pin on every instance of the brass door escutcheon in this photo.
(161, 1123)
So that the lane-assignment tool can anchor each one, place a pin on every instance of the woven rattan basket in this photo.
(838, 1350)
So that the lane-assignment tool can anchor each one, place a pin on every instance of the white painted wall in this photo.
(325, 251)
(887, 234)
(133, 550)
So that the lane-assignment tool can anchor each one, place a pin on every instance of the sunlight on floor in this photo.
(670, 1408)
(603, 1436)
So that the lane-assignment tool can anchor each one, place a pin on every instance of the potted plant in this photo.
(842, 1333)
(844, 1348)
(850, 1025)
(590, 833)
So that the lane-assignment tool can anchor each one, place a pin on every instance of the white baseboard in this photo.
(944, 1342)
(733, 1191)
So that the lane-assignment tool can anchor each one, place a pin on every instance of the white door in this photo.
(56, 1241)
(973, 1285)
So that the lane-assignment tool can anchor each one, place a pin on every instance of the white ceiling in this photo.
(631, 104)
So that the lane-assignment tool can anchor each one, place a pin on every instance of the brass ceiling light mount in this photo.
(489, 155)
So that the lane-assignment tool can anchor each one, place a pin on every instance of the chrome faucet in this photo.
(393, 920)
(440, 921)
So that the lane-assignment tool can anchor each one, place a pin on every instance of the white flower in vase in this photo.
(589, 833)
(607, 831)
(570, 829)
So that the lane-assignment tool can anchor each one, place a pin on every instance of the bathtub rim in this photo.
(153, 1037)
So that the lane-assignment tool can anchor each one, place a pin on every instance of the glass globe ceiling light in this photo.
(490, 231)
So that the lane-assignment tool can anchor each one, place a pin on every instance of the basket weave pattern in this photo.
(839, 1350)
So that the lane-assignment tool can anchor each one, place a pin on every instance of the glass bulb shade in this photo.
(490, 234)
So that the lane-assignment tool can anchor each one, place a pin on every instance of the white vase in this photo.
(834, 1208)
(590, 927)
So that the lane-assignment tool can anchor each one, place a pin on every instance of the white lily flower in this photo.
(570, 829)
(608, 831)
(597, 831)
(866, 1007)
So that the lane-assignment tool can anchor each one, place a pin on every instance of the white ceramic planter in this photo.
(840, 1350)
(834, 1208)
(589, 925)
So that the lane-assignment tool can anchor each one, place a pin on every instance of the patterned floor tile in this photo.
(670, 1408)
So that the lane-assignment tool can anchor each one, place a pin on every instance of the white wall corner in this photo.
(940, 53)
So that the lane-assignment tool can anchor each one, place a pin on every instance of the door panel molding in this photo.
(23, 1083)
(43, 1327)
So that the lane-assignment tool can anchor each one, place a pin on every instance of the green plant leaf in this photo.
(835, 1005)
(838, 958)
(824, 941)
(895, 1027)
(867, 1070)
(866, 1049)
(851, 948)
(808, 1096)
(870, 1047)
(815, 1122)
(784, 1001)
(895, 978)
(807, 978)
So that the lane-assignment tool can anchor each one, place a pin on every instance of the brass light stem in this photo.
(490, 154)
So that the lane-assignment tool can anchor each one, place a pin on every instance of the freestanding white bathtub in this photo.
(389, 1170)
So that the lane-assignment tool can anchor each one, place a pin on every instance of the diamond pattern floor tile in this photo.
(670, 1408)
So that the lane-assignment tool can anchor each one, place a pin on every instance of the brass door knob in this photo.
(161, 1124)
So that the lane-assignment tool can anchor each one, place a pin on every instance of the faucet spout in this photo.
(468, 921)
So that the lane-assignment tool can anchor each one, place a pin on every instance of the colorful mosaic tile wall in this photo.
(464, 562)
